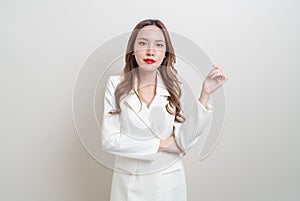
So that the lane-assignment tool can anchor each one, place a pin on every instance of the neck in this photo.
(147, 78)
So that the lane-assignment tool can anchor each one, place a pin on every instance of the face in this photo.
(149, 48)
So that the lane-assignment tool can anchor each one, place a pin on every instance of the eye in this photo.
(160, 45)
(142, 43)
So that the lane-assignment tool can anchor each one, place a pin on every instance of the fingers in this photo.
(214, 73)
(172, 146)
(224, 77)
(217, 73)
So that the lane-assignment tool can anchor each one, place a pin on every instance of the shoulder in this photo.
(113, 81)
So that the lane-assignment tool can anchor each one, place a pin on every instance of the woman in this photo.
(143, 120)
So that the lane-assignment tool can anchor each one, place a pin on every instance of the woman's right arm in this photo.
(114, 140)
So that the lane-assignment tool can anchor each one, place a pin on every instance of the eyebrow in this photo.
(147, 40)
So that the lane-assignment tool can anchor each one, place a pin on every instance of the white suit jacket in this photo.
(134, 134)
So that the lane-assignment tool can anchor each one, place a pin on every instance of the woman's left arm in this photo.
(197, 121)
(212, 82)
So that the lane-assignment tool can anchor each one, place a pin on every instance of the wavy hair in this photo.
(167, 71)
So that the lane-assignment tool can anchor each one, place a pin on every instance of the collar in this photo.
(160, 86)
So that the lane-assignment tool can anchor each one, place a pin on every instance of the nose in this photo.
(150, 51)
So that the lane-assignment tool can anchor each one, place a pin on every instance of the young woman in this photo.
(143, 119)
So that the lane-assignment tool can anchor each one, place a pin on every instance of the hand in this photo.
(211, 83)
(170, 145)
(213, 80)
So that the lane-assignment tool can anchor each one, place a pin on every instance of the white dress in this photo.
(142, 173)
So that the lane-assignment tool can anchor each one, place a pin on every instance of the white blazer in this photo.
(134, 137)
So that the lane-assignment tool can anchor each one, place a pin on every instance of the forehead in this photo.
(151, 32)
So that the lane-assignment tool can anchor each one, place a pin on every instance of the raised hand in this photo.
(211, 83)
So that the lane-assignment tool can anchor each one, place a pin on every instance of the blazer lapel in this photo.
(134, 104)
(133, 100)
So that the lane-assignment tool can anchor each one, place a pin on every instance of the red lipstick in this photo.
(149, 61)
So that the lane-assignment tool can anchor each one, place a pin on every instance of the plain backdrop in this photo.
(44, 43)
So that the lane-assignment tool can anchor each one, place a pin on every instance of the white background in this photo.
(44, 43)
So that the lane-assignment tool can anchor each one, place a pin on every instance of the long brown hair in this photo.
(166, 69)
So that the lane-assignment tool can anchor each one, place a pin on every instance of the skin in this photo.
(150, 43)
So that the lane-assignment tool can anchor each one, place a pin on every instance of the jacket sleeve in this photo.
(114, 140)
(197, 121)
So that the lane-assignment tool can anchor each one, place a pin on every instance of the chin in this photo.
(148, 69)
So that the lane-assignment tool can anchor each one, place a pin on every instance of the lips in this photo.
(149, 61)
